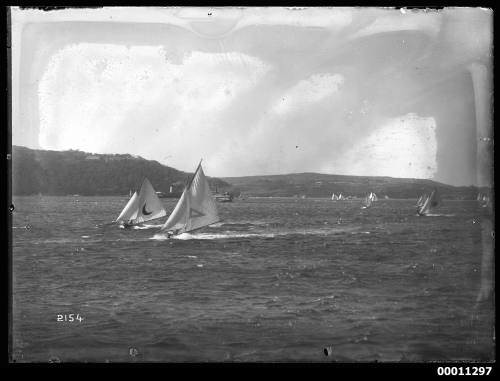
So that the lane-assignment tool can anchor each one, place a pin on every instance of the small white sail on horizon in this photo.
(143, 206)
(367, 202)
(485, 201)
(195, 209)
(334, 197)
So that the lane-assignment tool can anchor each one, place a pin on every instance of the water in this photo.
(277, 280)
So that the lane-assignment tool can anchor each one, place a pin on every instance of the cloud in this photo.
(284, 90)
(405, 146)
(110, 98)
(311, 90)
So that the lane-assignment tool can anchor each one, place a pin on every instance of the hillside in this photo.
(77, 172)
(323, 185)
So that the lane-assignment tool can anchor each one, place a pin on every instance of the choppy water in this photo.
(277, 280)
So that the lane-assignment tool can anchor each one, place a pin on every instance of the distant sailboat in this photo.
(484, 200)
(195, 209)
(430, 203)
(373, 196)
(367, 202)
(334, 197)
(143, 206)
(341, 198)
(421, 200)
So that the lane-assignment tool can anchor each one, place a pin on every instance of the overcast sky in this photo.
(355, 91)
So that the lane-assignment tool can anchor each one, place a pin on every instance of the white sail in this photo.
(367, 202)
(130, 211)
(372, 196)
(334, 197)
(419, 200)
(431, 202)
(143, 206)
(485, 201)
(149, 205)
(195, 209)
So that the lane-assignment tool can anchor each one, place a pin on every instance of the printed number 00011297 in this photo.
(464, 370)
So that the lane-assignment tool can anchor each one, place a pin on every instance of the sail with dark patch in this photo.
(430, 203)
(195, 209)
(143, 206)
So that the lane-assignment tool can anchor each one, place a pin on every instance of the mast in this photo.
(194, 174)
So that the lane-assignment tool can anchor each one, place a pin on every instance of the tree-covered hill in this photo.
(323, 185)
(76, 172)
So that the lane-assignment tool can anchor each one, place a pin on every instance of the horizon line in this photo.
(258, 175)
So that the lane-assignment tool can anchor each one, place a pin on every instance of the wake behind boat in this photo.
(143, 206)
(196, 207)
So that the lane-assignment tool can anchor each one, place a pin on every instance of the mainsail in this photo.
(334, 197)
(431, 202)
(195, 209)
(130, 211)
(367, 202)
(421, 200)
(143, 206)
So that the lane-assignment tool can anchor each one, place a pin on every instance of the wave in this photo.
(147, 226)
(230, 235)
(439, 215)
(240, 223)
(189, 236)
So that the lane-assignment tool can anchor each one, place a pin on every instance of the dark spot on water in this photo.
(28, 226)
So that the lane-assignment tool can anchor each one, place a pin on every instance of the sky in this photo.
(256, 91)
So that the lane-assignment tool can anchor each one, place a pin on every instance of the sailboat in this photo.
(485, 201)
(334, 197)
(367, 202)
(421, 200)
(430, 203)
(195, 209)
(143, 206)
(373, 196)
